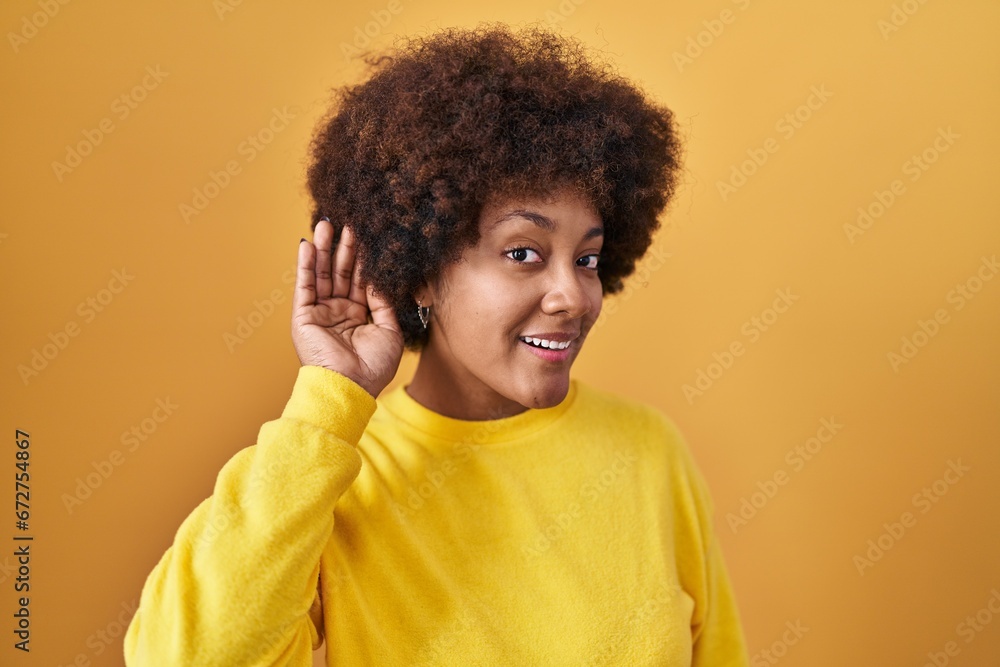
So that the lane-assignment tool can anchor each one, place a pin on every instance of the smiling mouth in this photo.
(547, 345)
(550, 354)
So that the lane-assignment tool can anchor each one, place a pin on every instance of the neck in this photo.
(442, 385)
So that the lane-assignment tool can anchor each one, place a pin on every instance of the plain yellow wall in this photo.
(815, 438)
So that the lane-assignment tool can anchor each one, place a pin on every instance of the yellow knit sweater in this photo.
(574, 535)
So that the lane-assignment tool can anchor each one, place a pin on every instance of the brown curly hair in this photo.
(456, 119)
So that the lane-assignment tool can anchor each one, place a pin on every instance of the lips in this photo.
(549, 354)
(546, 344)
(558, 336)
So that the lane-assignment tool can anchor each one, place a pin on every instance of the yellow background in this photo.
(225, 69)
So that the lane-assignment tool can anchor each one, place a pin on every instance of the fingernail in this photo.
(302, 241)
(325, 218)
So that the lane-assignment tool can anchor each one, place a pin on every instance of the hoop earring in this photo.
(420, 312)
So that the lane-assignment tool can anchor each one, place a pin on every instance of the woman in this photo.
(475, 199)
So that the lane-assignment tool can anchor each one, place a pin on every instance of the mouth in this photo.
(549, 354)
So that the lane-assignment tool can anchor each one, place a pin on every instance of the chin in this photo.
(547, 395)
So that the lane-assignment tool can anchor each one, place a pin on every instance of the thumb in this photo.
(383, 314)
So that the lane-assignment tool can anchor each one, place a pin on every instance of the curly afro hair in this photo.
(463, 117)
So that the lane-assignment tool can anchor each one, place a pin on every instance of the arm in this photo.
(716, 630)
(237, 584)
(718, 640)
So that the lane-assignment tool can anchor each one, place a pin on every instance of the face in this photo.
(533, 273)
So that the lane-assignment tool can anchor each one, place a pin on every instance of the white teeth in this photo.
(549, 344)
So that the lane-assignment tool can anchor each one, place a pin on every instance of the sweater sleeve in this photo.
(719, 640)
(238, 586)
(716, 632)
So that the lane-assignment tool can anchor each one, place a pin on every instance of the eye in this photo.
(520, 250)
(596, 257)
(590, 260)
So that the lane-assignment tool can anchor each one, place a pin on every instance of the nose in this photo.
(567, 292)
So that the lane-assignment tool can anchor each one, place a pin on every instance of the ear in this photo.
(423, 296)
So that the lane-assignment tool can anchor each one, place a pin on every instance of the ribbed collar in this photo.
(404, 407)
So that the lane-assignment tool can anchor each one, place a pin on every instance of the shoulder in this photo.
(666, 468)
(650, 432)
(632, 416)
(590, 397)
(655, 436)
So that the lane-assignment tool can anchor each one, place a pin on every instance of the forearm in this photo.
(236, 585)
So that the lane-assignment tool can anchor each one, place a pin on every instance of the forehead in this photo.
(562, 208)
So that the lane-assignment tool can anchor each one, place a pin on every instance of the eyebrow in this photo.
(543, 221)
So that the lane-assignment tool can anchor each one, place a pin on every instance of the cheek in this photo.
(596, 302)
(487, 309)
(500, 299)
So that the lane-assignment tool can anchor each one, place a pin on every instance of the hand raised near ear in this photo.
(330, 308)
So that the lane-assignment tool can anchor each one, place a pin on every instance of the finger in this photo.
(343, 266)
(305, 277)
(323, 238)
(382, 313)
(357, 288)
